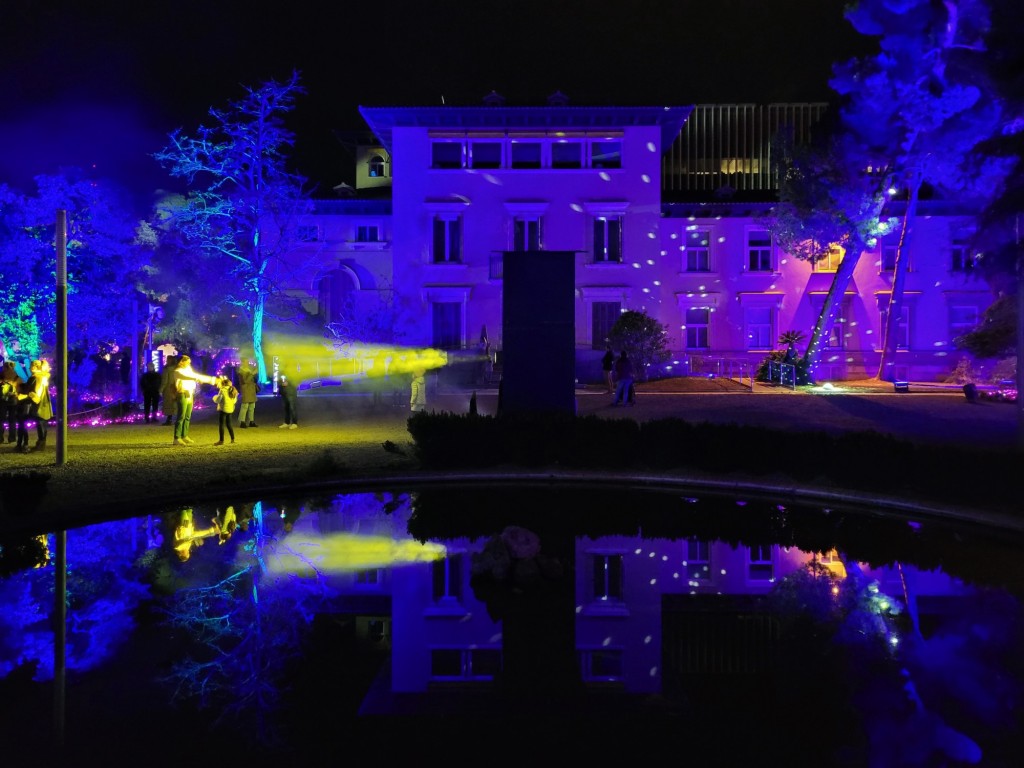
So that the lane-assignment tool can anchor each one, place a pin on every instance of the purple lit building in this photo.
(664, 208)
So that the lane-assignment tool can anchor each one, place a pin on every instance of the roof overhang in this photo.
(383, 120)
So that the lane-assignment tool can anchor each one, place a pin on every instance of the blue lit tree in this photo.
(105, 246)
(826, 202)
(243, 202)
(918, 108)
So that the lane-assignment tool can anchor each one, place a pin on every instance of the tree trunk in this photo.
(833, 300)
(257, 336)
(890, 337)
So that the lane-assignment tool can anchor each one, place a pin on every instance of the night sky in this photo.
(102, 88)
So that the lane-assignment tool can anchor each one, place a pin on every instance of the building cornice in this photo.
(383, 120)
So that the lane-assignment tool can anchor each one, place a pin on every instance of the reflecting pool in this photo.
(519, 624)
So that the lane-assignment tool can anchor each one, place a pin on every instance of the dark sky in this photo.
(102, 84)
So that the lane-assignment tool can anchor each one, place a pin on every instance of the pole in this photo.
(62, 337)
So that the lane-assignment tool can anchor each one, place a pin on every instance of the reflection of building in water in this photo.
(647, 612)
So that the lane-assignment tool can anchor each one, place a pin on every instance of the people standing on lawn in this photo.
(249, 388)
(608, 367)
(10, 382)
(288, 390)
(418, 394)
(226, 399)
(168, 392)
(623, 379)
(40, 408)
(185, 382)
(150, 382)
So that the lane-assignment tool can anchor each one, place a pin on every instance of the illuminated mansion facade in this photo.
(664, 209)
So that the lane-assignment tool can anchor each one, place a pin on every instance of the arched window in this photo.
(376, 167)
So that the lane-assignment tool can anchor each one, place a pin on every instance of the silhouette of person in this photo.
(150, 382)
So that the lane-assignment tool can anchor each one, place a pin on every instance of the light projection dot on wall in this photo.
(938, 283)
(579, 609)
(663, 253)
(650, 262)
(651, 235)
(702, 287)
(722, 571)
(646, 290)
(654, 672)
(604, 176)
(833, 358)
(648, 639)
(652, 554)
(941, 354)
(651, 147)
(576, 207)
(645, 178)
(784, 261)
(653, 582)
(636, 265)
(637, 551)
(657, 282)
(675, 575)
(606, 642)
(939, 344)
(674, 236)
(691, 218)
(492, 179)
(849, 360)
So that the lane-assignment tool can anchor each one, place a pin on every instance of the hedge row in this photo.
(867, 461)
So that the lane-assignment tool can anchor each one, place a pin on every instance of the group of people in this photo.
(618, 376)
(177, 387)
(23, 401)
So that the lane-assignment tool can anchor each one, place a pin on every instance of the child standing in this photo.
(226, 399)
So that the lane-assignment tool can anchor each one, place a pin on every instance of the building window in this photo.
(962, 320)
(759, 565)
(759, 250)
(608, 239)
(376, 167)
(526, 233)
(603, 317)
(962, 259)
(526, 154)
(465, 663)
(831, 260)
(446, 154)
(698, 319)
(888, 261)
(447, 240)
(601, 664)
(606, 154)
(485, 154)
(758, 327)
(367, 233)
(307, 233)
(697, 559)
(567, 154)
(607, 578)
(447, 324)
(369, 577)
(697, 250)
(447, 578)
(902, 327)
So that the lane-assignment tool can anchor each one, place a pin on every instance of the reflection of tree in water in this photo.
(244, 630)
(105, 584)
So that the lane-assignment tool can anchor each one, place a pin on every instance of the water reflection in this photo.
(602, 620)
